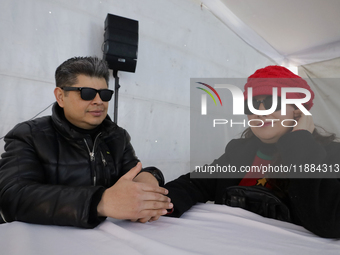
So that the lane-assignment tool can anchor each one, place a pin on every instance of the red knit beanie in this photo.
(264, 79)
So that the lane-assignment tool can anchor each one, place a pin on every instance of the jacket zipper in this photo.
(2, 216)
(103, 159)
(104, 170)
(92, 158)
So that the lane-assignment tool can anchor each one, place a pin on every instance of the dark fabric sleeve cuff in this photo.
(94, 219)
(156, 173)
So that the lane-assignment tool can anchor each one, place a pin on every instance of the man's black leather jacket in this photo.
(51, 174)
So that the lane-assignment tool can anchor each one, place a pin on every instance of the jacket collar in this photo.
(244, 152)
(64, 127)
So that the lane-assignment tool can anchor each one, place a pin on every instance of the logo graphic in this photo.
(238, 99)
(204, 97)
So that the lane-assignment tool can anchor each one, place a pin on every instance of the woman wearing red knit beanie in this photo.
(313, 203)
(262, 83)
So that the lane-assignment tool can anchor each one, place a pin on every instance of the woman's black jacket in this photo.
(314, 203)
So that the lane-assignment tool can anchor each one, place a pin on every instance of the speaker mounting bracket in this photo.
(116, 89)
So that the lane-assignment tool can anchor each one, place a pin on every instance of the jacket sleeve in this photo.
(130, 160)
(26, 196)
(316, 202)
(186, 192)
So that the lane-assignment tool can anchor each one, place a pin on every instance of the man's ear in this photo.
(59, 96)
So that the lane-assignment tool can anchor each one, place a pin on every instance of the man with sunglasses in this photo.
(77, 167)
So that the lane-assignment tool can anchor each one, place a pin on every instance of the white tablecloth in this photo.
(205, 229)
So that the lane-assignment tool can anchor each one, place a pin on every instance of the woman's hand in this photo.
(305, 122)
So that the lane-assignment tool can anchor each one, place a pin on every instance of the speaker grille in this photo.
(120, 43)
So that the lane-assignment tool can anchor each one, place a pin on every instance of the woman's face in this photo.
(272, 129)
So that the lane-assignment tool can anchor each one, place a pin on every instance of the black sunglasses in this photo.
(267, 103)
(90, 93)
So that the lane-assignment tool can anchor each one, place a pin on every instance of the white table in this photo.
(205, 229)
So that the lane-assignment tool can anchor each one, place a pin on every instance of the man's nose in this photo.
(97, 99)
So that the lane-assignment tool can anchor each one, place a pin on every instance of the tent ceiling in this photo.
(290, 27)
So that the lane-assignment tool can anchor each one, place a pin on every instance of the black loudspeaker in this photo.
(120, 43)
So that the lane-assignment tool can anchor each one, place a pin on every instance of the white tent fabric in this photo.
(205, 229)
(318, 54)
(308, 54)
(321, 69)
(326, 80)
(242, 30)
